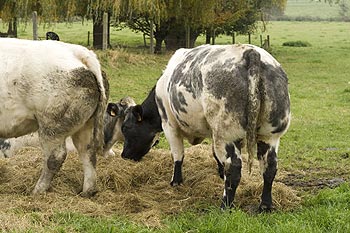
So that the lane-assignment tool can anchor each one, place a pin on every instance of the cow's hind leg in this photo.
(220, 166)
(54, 155)
(230, 157)
(83, 141)
(267, 155)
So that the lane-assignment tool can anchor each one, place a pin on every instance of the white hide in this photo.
(24, 58)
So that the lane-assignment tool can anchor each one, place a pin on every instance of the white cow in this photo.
(112, 133)
(56, 89)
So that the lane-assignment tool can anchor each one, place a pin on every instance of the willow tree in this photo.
(51, 11)
(189, 18)
(7, 13)
(181, 21)
(172, 19)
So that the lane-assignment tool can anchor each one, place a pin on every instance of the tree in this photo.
(173, 20)
(344, 9)
(50, 11)
(7, 12)
(181, 22)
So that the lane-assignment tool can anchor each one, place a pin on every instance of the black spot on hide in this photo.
(227, 82)
(4, 144)
(178, 101)
(276, 89)
(192, 78)
(56, 160)
(162, 109)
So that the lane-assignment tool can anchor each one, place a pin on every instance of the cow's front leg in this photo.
(267, 155)
(177, 151)
(229, 155)
(54, 156)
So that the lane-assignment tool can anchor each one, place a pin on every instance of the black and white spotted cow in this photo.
(112, 133)
(231, 93)
(56, 89)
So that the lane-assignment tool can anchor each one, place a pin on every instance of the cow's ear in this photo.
(137, 111)
(112, 109)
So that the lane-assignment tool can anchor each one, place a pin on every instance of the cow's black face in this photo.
(138, 133)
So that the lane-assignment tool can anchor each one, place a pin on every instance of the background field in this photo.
(311, 10)
(314, 156)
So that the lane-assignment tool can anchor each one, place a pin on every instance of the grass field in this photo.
(314, 155)
(311, 10)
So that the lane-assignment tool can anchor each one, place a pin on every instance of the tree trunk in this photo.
(158, 47)
(12, 28)
(207, 36)
(97, 32)
(176, 37)
(160, 34)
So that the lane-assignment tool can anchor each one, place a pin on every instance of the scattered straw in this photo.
(139, 190)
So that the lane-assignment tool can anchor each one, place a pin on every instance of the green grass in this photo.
(308, 9)
(326, 212)
(315, 149)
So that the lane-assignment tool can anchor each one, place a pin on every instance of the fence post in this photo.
(151, 45)
(268, 41)
(233, 38)
(35, 25)
(188, 36)
(249, 38)
(214, 36)
(88, 42)
(105, 31)
(144, 40)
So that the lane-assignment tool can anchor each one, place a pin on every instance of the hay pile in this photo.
(139, 190)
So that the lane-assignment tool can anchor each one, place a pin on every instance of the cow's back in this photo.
(39, 78)
(205, 90)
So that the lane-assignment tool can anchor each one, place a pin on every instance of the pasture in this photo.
(311, 192)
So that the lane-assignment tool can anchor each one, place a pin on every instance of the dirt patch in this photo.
(139, 190)
(311, 184)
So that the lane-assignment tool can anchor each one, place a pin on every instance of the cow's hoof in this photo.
(88, 193)
(265, 208)
(38, 190)
(225, 207)
(109, 153)
(175, 183)
(38, 193)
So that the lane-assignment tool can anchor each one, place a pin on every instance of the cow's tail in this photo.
(254, 99)
(89, 59)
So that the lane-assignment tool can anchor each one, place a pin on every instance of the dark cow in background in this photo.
(58, 90)
(52, 36)
(113, 120)
(112, 133)
(231, 93)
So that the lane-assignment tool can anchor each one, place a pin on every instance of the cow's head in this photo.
(113, 119)
(118, 109)
(140, 133)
